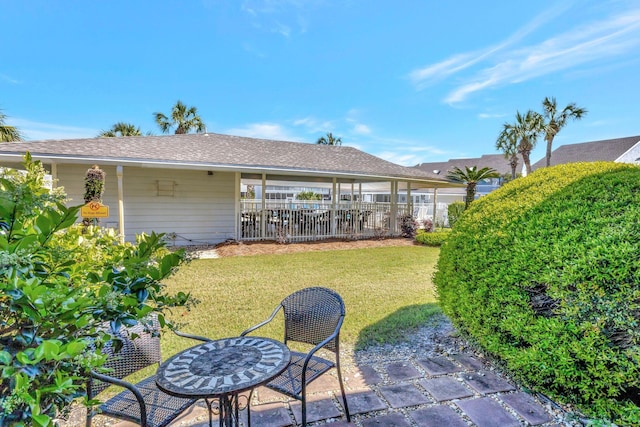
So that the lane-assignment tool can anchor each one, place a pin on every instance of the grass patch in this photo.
(387, 292)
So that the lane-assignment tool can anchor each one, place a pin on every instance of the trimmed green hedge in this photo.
(544, 274)
(432, 238)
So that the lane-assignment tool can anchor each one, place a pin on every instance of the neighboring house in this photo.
(493, 161)
(625, 150)
(190, 185)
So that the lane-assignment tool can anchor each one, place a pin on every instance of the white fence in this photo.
(318, 220)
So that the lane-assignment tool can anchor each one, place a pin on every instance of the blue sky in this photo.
(409, 81)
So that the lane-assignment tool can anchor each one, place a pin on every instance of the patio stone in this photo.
(526, 407)
(486, 412)
(317, 409)
(437, 416)
(468, 361)
(486, 382)
(270, 415)
(445, 388)
(364, 376)
(324, 383)
(402, 395)
(439, 365)
(363, 402)
(390, 420)
(402, 371)
(264, 394)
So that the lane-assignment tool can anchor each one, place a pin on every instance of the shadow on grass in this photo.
(396, 326)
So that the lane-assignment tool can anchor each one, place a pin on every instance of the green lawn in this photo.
(387, 291)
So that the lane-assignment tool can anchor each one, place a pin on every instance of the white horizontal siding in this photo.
(201, 210)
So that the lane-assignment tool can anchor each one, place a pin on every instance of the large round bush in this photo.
(544, 274)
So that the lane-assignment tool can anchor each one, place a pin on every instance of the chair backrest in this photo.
(312, 315)
(134, 355)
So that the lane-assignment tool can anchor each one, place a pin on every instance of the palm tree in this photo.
(507, 142)
(121, 129)
(556, 120)
(182, 118)
(8, 133)
(329, 140)
(471, 176)
(526, 130)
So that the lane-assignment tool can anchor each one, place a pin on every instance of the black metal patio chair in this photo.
(142, 403)
(311, 316)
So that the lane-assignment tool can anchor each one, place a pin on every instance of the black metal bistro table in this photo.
(222, 369)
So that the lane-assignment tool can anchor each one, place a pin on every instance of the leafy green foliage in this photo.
(454, 210)
(544, 273)
(57, 287)
(432, 238)
(308, 195)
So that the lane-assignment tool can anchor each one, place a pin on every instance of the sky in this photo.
(410, 81)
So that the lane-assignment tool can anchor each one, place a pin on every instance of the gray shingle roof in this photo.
(494, 161)
(605, 150)
(216, 152)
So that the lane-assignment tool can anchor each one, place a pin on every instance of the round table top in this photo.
(223, 366)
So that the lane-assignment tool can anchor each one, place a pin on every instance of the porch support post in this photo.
(409, 199)
(238, 208)
(393, 214)
(54, 175)
(119, 174)
(435, 205)
(263, 207)
(334, 200)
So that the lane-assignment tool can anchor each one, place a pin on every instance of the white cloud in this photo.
(265, 131)
(430, 74)
(491, 115)
(314, 125)
(38, 130)
(505, 63)
(284, 17)
(362, 129)
(584, 44)
(9, 79)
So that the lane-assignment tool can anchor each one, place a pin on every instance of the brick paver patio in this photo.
(452, 390)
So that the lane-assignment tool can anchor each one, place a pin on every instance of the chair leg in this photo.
(344, 395)
(304, 405)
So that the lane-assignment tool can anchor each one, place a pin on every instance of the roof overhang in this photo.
(249, 172)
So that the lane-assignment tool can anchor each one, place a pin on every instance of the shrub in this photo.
(454, 210)
(433, 238)
(408, 225)
(57, 286)
(544, 274)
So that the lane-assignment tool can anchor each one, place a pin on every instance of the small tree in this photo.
(57, 290)
(308, 195)
(471, 176)
(183, 118)
(121, 129)
(8, 133)
(93, 190)
(329, 140)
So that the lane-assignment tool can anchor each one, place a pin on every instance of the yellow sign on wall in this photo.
(94, 210)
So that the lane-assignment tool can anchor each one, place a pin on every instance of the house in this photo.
(626, 150)
(442, 197)
(189, 186)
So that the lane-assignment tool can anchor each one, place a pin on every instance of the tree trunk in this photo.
(549, 144)
(471, 194)
(513, 161)
(526, 160)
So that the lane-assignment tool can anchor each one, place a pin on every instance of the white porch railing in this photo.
(317, 220)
